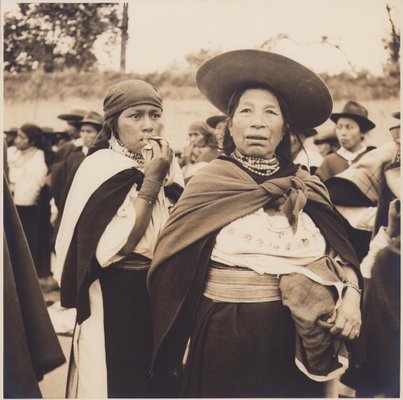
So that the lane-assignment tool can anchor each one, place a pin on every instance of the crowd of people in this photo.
(262, 260)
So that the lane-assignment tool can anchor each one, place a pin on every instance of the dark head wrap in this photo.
(121, 96)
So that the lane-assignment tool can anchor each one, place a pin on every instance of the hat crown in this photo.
(93, 117)
(354, 108)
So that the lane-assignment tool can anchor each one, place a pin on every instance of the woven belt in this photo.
(134, 262)
(240, 285)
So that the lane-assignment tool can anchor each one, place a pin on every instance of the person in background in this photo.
(56, 138)
(326, 142)
(202, 149)
(9, 136)
(247, 224)
(351, 126)
(217, 123)
(63, 173)
(28, 164)
(306, 157)
(117, 205)
(377, 367)
(73, 131)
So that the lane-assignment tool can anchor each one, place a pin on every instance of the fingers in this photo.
(345, 328)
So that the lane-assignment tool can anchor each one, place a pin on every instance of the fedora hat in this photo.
(306, 95)
(92, 118)
(358, 113)
(215, 119)
(325, 137)
(74, 115)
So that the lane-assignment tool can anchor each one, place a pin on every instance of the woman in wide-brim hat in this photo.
(118, 203)
(237, 250)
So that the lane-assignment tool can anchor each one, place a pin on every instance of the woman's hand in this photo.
(157, 168)
(346, 319)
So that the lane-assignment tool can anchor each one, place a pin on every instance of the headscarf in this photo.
(123, 95)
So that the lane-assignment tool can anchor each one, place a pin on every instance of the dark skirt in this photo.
(128, 331)
(244, 350)
(36, 223)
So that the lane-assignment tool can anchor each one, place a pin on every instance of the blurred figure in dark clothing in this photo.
(31, 348)
(326, 142)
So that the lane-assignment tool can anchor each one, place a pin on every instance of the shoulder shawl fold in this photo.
(78, 241)
(221, 193)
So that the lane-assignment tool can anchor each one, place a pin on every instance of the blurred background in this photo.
(59, 56)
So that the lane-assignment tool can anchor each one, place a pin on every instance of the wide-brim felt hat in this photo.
(306, 95)
(92, 118)
(358, 113)
(11, 131)
(74, 115)
(215, 119)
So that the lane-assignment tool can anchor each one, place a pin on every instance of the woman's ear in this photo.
(229, 124)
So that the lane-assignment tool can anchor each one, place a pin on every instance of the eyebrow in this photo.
(249, 103)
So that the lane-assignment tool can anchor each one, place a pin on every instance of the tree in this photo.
(392, 45)
(55, 36)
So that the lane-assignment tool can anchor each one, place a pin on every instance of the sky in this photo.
(162, 32)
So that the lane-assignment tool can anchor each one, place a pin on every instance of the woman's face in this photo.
(197, 139)
(21, 141)
(136, 124)
(349, 134)
(88, 133)
(257, 124)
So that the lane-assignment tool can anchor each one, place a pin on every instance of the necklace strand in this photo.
(259, 166)
(118, 146)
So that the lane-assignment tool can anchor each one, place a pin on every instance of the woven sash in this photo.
(240, 285)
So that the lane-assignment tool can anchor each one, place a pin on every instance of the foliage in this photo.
(55, 36)
(173, 84)
(392, 45)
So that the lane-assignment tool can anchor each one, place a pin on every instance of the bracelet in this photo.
(352, 285)
(149, 190)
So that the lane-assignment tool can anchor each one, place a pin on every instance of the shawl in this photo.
(31, 347)
(219, 194)
(100, 181)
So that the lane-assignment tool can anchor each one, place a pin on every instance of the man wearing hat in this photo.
(73, 130)
(327, 142)
(308, 158)
(63, 173)
(351, 126)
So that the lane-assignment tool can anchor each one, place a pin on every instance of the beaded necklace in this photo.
(259, 166)
(117, 145)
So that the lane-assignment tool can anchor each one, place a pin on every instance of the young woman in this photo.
(118, 204)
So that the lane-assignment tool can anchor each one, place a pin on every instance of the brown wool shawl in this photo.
(221, 193)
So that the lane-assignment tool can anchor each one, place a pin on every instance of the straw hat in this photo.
(306, 95)
(358, 113)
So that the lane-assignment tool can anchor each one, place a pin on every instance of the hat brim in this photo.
(70, 117)
(365, 124)
(396, 115)
(306, 95)
(88, 122)
(215, 119)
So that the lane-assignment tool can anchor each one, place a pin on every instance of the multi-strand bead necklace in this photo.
(118, 146)
(259, 166)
